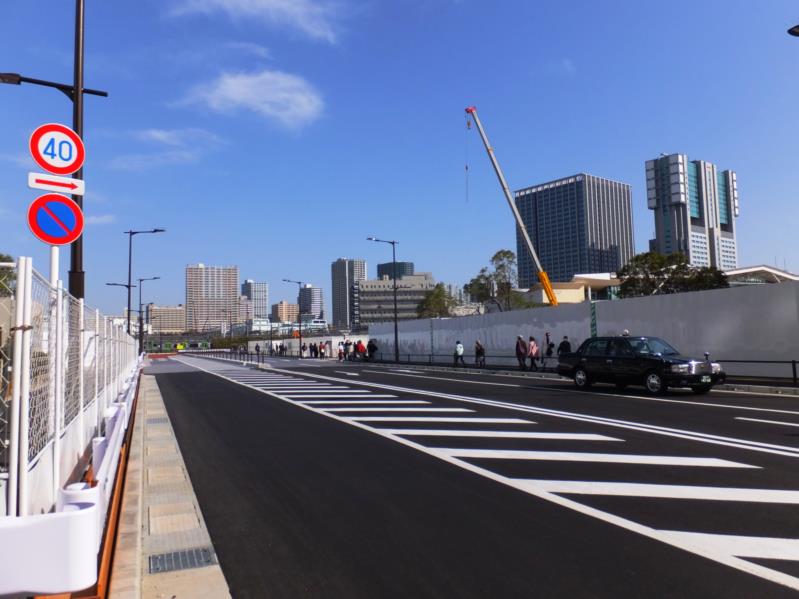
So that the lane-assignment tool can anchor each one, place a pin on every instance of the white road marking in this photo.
(366, 401)
(580, 487)
(767, 421)
(418, 410)
(441, 378)
(441, 419)
(324, 390)
(611, 458)
(422, 432)
(332, 395)
(674, 540)
(347, 373)
(739, 546)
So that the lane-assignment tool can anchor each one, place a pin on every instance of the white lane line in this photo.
(610, 458)
(335, 396)
(739, 546)
(624, 523)
(421, 432)
(767, 421)
(320, 390)
(439, 419)
(347, 373)
(364, 402)
(784, 450)
(441, 378)
(417, 410)
(580, 487)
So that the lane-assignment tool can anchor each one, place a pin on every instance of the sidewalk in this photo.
(163, 547)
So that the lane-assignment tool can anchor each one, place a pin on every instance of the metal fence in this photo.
(61, 365)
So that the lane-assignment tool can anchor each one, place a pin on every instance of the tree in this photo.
(652, 273)
(7, 277)
(436, 304)
(498, 284)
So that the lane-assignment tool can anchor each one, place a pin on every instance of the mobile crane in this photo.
(543, 278)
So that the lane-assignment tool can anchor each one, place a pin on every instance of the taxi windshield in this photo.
(653, 345)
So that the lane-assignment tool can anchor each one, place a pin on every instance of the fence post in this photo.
(59, 389)
(105, 364)
(16, 382)
(98, 411)
(81, 350)
(24, 405)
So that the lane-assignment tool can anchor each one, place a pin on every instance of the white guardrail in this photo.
(68, 378)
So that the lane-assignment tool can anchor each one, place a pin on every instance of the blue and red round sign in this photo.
(55, 219)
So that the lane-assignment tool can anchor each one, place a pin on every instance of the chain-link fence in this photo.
(61, 365)
(8, 287)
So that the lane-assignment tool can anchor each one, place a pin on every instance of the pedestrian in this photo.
(322, 349)
(521, 352)
(360, 351)
(347, 349)
(303, 349)
(479, 354)
(565, 347)
(371, 349)
(549, 347)
(340, 351)
(458, 355)
(532, 353)
(257, 350)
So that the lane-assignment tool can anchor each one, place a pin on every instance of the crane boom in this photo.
(542, 275)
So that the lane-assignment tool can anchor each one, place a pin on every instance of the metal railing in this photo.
(61, 365)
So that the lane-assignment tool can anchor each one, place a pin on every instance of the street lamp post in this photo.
(130, 235)
(75, 93)
(299, 310)
(394, 270)
(141, 313)
(128, 287)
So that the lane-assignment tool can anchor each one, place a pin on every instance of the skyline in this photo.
(255, 133)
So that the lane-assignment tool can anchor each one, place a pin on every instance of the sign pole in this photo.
(54, 255)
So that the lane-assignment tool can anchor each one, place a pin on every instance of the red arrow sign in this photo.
(69, 185)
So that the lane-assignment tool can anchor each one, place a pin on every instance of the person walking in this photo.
(549, 348)
(340, 351)
(479, 354)
(303, 349)
(565, 347)
(532, 353)
(521, 352)
(322, 349)
(347, 348)
(459, 354)
(371, 349)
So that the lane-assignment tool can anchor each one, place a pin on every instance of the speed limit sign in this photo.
(57, 149)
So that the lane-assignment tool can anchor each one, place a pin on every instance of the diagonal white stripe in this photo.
(738, 546)
(424, 432)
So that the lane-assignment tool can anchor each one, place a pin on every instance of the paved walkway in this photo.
(163, 548)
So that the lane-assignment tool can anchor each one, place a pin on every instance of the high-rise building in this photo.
(166, 319)
(345, 274)
(404, 269)
(258, 294)
(695, 207)
(212, 297)
(285, 312)
(579, 224)
(310, 301)
(376, 297)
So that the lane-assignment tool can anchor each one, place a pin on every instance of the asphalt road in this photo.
(345, 480)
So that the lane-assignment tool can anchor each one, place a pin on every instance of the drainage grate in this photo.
(158, 420)
(182, 560)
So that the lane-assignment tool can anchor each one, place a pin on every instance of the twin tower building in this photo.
(584, 224)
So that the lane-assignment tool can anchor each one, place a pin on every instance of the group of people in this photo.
(479, 354)
(356, 350)
(535, 353)
(315, 350)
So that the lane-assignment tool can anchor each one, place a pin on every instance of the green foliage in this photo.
(497, 284)
(437, 303)
(652, 273)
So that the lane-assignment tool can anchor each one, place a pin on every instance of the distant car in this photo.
(647, 361)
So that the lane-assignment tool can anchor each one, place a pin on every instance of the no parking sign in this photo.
(55, 219)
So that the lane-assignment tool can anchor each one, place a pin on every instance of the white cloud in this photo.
(314, 18)
(143, 161)
(251, 48)
(183, 146)
(288, 99)
(20, 159)
(178, 137)
(101, 219)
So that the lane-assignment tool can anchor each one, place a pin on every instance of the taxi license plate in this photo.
(705, 379)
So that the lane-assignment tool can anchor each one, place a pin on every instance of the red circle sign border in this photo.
(41, 235)
(33, 146)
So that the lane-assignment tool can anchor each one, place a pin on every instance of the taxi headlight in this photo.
(681, 368)
(716, 367)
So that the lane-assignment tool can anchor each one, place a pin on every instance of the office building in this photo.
(285, 312)
(166, 319)
(258, 294)
(404, 269)
(212, 297)
(376, 297)
(345, 274)
(577, 224)
(310, 301)
(695, 207)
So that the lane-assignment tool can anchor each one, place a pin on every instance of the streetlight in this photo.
(394, 269)
(794, 31)
(299, 310)
(160, 332)
(141, 314)
(127, 286)
(130, 235)
(75, 93)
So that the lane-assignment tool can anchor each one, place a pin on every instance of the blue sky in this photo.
(278, 134)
